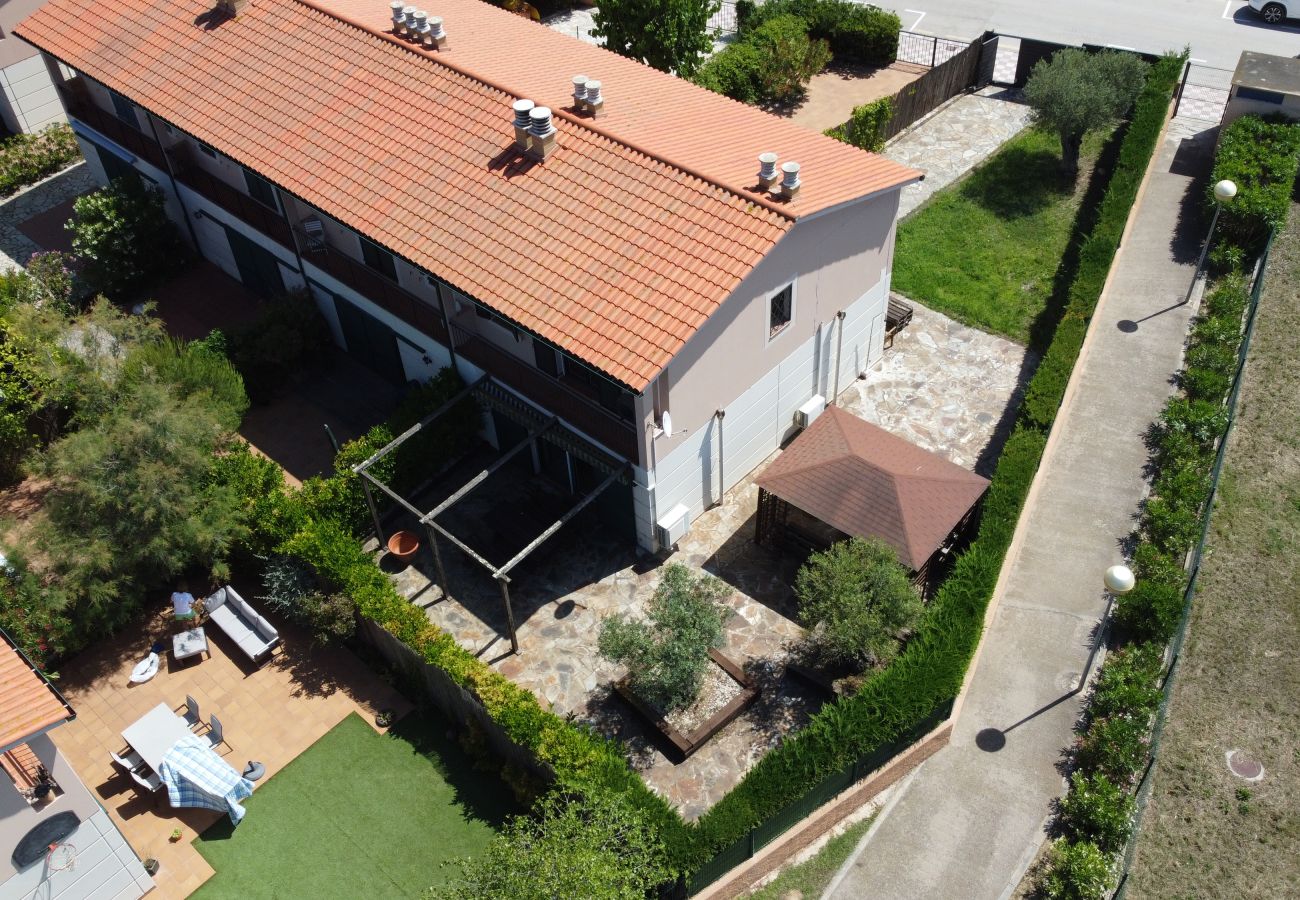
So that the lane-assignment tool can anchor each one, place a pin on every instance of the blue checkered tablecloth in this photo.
(197, 776)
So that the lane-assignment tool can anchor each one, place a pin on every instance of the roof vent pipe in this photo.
(579, 90)
(790, 180)
(436, 36)
(766, 170)
(541, 133)
(595, 102)
(399, 15)
(408, 20)
(421, 26)
(522, 108)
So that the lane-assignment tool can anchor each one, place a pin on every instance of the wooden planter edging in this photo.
(687, 744)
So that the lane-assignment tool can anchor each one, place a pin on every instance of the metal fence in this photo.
(1203, 94)
(1194, 568)
(927, 50)
(724, 20)
(816, 796)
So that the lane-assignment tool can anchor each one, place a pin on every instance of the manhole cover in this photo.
(1245, 766)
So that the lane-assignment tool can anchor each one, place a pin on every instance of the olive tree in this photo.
(577, 844)
(1075, 92)
(855, 599)
(670, 35)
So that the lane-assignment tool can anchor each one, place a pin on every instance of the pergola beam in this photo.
(487, 473)
(470, 551)
(413, 510)
(558, 524)
(410, 432)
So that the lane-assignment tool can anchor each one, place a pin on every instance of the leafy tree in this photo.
(1075, 92)
(124, 239)
(670, 35)
(856, 599)
(790, 57)
(667, 655)
(579, 844)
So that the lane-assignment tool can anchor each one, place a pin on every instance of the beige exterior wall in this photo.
(1238, 107)
(833, 260)
(13, 48)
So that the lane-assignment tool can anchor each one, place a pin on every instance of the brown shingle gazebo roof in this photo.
(865, 482)
(29, 704)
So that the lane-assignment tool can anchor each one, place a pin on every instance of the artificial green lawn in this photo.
(813, 876)
(986, 250)
(358, 814)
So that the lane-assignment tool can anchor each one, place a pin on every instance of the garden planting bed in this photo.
(725, 694)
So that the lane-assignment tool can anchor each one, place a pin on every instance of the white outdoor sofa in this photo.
(242, 624)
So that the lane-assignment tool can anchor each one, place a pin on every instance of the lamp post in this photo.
(1224, 191)
(1118, 580)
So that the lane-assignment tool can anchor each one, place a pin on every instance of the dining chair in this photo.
(216, 735)
(130, 762)
(190, 712)
(149, 780)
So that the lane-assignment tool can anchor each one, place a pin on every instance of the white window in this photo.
(780, 310)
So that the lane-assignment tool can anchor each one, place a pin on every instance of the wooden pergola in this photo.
(859, 480)
(540, 426)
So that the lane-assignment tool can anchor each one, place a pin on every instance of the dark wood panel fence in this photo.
(946, 80)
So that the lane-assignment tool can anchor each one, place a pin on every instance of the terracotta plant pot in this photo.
(403, 545)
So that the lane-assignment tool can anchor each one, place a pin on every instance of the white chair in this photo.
(215, 735)
(191, 712)
(314, 230)
(130, 762)
(149, 781)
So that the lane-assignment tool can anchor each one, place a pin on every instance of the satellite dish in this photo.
(666, 422)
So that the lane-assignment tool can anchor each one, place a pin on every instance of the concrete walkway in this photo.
(956, 139)
(971, 820)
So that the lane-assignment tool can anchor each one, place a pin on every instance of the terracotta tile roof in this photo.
(866, 482)
(611, 250)
(28, 703)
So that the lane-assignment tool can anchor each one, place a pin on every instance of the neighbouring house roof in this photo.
(617, 248)
(29, 704)
(1268, 72)
(866, 482)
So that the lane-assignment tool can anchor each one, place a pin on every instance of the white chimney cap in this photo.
(522, 108)
(790, 172)
(435, 27)
(540, 118)
(593, 91)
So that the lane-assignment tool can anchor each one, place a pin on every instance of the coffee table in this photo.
(189, 643)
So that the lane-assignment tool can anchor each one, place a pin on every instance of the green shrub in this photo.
(733, 72)
(1151, 611)
(289, 337)
(124, 239)
(1128, 683)
(1097, 811)
(1076, 871)
(1116, 746)
(667, 655)
(854, 32)
(291, 589)
(30, 615)
(857, 601)
(1046, 389)
(866, 128)
(257, 485)
(789, 57)
(1261, 157)
(192, 370)
(27, 158)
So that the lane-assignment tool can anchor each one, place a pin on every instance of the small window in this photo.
(1259, 95)
(501, 321)
(260, 190)
(780, 310)
(124, 109)
(379, 259)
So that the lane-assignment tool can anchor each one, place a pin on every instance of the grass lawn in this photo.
(986, 250)
(358, 814)
(1205, 832)
(812, 877)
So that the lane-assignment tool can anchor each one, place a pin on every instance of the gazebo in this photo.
(844, 477)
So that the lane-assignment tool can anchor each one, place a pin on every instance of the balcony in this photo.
(552, 394)
(80, 105)
(414, 311)
(234, 201)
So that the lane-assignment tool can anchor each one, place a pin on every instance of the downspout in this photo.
(722, 481)
(446, 324)
(171, 176)
(839, 347)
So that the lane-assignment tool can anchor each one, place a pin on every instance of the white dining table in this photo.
(154, 733)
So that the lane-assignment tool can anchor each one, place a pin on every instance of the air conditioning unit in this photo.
(808, 413)
(673, 525)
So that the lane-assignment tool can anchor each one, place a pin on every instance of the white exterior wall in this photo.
(30, 100)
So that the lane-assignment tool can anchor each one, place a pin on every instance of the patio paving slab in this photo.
(61, 188)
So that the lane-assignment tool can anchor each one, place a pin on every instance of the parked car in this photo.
(1274, 12)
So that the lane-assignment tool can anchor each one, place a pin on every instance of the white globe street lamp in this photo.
(1119, 579)
(1224, 191)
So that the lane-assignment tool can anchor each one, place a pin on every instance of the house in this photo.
(28, 101)
(44, 802)
(1264, 85)
(594, 240)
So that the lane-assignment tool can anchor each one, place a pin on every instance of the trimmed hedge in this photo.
(1046, 389)
(865, 129)
(856, 33)
(771, 63)
(27, 158)
(1259, 155)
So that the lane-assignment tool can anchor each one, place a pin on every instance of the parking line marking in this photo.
(920, 16)
(1195, 59)
(1227, 9)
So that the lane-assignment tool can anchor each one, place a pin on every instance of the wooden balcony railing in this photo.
(415, 311)
(550, 393)
(78, 103)
(234, 201)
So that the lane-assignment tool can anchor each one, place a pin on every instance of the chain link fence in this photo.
(1194, 568)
